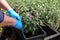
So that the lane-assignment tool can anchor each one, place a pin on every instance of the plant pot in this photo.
(53, 37)
(39, 35)
(49, 30)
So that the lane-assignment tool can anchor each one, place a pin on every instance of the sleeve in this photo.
(1, 16)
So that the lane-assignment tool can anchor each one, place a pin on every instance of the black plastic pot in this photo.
(50, 32)
(39, 35)
(18, 35)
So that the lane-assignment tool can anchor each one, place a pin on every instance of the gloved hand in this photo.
(13, 14)
(19, 25)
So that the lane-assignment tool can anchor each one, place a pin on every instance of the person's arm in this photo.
(4, 5)
(11, 12)
(8, 21)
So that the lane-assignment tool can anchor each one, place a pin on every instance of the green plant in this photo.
(29, 21)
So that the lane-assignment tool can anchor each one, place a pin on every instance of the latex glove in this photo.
(13, 14)
(19, 25)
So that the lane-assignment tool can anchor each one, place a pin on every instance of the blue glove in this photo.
(19, 25)
(13, 14)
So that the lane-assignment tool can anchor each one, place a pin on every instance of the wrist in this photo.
(10, 11)
(18, 25)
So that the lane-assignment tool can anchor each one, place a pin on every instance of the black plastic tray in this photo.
(51, 34)
(49, 30)
(40, 35)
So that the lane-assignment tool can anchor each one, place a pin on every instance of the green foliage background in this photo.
(44, 11)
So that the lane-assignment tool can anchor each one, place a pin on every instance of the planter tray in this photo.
(51, 33)
(40, 34)
(49, 30)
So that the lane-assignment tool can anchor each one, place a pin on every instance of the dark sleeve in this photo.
(1, 16)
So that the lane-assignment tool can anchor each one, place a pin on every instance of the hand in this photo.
(13, 14)
(19, 25)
